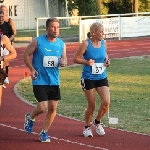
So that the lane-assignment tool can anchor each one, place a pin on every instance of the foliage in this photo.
(144, 5)
(118, 6)
(85, 7)
(89, 7)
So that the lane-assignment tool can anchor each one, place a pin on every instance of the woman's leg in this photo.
(90, 96)
(105, 101)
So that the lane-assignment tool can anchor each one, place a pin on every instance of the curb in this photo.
(29, 39)
(23, 39)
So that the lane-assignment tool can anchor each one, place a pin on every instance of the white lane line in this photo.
(55, 138)
(137, 49)
(17, 66)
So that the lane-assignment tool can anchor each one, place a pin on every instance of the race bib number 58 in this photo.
(98, 68)
(50, 61)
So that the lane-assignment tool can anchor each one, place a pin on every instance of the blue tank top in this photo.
(47, 75)
(97, 54)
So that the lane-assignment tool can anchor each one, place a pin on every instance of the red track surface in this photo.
(65, 133)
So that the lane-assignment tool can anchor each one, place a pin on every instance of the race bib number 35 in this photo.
(50, 61)
(98, 68)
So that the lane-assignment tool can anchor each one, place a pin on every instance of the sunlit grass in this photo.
(129, 81)
(73, 30)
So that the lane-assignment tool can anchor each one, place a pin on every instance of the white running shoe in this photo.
(99, 128)
(4, 86)
(87, 132)
(6, 81)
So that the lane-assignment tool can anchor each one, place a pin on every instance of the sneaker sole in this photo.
(45, 141)
(100, 134)
(4, 86)
(6, 82)
(88, 136)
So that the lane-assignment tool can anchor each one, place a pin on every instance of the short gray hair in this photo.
(95, 26)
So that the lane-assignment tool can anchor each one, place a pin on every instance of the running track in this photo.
(66, 134)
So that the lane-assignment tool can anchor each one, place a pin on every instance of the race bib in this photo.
(98, 68)
(50, 61)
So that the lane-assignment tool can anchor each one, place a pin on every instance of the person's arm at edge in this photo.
(12, 37)
(13, 27)
(63, 62)
(10, 33)
(9, 47)
(107, 61)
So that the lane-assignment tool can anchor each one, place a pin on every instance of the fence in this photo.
(115, 25)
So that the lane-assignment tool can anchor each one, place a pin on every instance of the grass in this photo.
(73, 30)
(129, 82)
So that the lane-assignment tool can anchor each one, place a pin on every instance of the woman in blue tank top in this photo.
(92, 53)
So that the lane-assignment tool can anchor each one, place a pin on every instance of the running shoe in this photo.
(4, 86)
(6, 81)
(28, 125)
(99, 128)
(44, 137)
(87, 132)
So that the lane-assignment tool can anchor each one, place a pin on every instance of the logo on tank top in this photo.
(49, 50)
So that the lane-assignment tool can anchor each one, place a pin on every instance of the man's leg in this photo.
(30, 117)
(52, 109)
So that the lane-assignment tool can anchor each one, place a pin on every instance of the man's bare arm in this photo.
(28, 52)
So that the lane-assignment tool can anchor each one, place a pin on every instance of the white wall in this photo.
(24, 12)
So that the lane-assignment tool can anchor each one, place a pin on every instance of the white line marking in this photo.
(55, 138)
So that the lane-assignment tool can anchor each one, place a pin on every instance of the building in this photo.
(24, 12)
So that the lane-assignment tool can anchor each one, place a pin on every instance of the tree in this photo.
(118, 6)
(99, 3)
(85, 7)
(99, 7)
(134, 6)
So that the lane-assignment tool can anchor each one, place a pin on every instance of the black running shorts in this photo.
(90, 84)
(45, 92)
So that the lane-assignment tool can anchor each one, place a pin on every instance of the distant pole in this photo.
(47, 8)
(132, 6)
(136, 7)
(66, 11)
(99, 6)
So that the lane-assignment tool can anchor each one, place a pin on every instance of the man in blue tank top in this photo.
(49, 52)
(93, 55)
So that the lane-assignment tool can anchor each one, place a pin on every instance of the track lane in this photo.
(66, 133)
